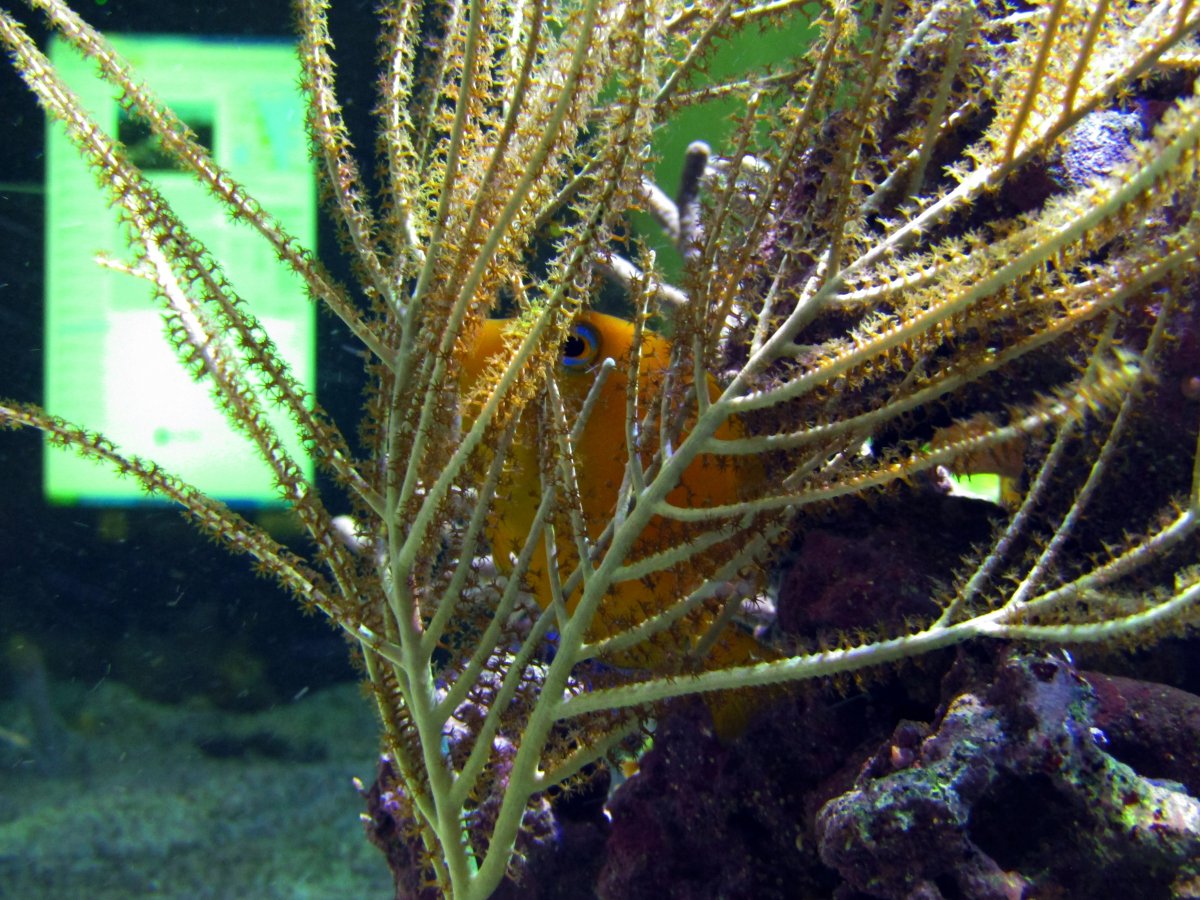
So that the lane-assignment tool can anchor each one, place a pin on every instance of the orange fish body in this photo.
(600, 461)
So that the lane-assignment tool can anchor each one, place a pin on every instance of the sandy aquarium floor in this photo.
(144, 800)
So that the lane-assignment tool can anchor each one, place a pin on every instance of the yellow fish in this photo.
(600, 459)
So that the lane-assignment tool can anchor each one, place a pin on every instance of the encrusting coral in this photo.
(918, 812)
(940, 234)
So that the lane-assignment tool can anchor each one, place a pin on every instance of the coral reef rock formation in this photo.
(1012, 794)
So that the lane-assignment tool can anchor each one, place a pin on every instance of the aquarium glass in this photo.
(106, 361)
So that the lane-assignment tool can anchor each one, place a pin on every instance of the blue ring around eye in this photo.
(581, 347)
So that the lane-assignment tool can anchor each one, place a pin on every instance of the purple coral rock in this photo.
(841, 582)
(1153, 727)
(705, 818)
(1099, 143)
(1012, 795)
(390, 827)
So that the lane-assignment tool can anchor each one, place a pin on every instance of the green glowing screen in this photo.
(107, 363)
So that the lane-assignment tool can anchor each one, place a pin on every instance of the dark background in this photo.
(135, 593)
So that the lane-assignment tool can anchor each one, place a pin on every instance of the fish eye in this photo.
(581, 346)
